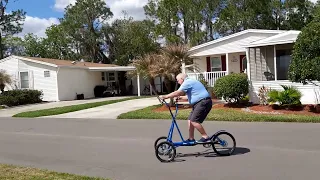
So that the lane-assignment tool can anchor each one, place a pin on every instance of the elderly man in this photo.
(200, 100)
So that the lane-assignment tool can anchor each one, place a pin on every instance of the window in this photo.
(244, 63)
(103, 78)
(111, 77)
(108, 76)
(215, 64)
(283, 63)
(24, 80)
(46, 73)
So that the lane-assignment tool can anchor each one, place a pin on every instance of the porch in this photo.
(209, 77)
(269, 63)
(116, 83)
(216, 66)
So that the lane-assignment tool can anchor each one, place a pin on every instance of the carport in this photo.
(111, 75)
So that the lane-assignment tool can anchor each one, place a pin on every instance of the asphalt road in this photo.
(123, 149)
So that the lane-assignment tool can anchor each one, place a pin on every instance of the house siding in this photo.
(10, 65)
(261, 60)
(72, 81)
(309, 91)
(37, 81)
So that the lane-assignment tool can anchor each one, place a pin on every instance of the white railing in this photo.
(210, 77)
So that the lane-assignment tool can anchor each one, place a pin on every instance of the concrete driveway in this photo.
(9, 112)
(110, 111)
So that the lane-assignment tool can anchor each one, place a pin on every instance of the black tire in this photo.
(160, 138)
(216, 144)
(168, 147)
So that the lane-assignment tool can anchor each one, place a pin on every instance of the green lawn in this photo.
(218, 115)
(10, 172)
(72, 108)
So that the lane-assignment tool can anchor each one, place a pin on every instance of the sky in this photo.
(41, 14)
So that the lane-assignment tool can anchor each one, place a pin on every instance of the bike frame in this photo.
(173, 125)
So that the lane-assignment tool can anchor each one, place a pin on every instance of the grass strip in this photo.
(71, 108)
(10, 172)
(219, 115)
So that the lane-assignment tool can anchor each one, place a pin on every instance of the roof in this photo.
(70, 63)
(235, 35)
(73, 64)
(282, 38)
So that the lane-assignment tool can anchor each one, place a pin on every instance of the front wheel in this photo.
(224, 144)
(164, 149)
(160, 139)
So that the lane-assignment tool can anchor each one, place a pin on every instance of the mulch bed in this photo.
(256, 108)
(304, 110)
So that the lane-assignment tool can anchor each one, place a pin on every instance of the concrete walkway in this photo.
(9, 112)
(111, 111)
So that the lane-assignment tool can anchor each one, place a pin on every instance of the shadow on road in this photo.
(211, 153)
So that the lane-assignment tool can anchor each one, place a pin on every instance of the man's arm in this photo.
(173, 94)
(183, 97)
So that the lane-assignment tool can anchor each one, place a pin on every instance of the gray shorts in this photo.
(200, 110)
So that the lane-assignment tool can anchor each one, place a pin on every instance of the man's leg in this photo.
(200, 128)
(191, 130)
(200, 113)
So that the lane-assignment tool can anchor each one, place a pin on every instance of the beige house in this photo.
(264, 55)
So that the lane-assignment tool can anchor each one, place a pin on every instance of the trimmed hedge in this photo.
(233, 87)
(20, 97)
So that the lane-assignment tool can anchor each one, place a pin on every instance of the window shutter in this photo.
(223, 63)
(208, 64)
(18, 80)
(31, 83)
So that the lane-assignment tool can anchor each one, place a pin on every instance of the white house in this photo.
(264, 55)
(61, 80)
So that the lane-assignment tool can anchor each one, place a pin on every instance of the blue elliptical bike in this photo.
(168, 148)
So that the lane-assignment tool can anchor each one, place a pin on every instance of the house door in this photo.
(243, 63)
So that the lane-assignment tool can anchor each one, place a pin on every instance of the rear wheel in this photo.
(165, 152)
(224, 144)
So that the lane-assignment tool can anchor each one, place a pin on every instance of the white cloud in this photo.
(314, 1)
(37, 25)
(61, 4)
(133, 8)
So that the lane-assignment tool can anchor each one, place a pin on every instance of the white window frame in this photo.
(20, 80)
(217, 68)
(105, 76)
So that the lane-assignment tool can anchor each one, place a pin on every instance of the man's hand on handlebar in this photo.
(162, 97)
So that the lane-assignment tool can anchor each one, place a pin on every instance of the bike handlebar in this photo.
(162, 101)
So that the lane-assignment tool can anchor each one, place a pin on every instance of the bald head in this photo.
(181, 77)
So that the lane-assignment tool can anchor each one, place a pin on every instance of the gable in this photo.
(232, 43)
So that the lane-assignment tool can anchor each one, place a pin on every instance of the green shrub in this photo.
(20, 97)
(232, 87)
(305, 64)
(290, 96)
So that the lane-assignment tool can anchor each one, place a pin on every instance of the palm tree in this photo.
(4, 79)
(178, 52)
(144, 65)
(172, 57)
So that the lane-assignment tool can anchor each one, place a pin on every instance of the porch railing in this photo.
(210, 77)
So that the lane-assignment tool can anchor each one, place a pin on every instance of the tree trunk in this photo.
(2, 87)
(151, 82)
(1, 47)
